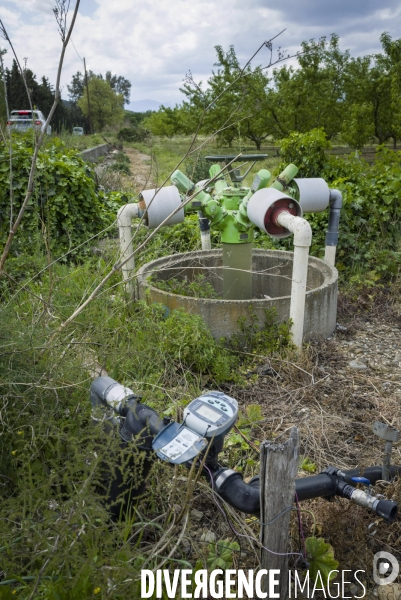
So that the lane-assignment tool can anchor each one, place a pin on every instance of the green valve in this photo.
(226, 205)
(261, 180)
(182, 182)
(285, 178)
(214, 171)
(186, 186)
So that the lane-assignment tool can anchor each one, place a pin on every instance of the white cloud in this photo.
(155, 43)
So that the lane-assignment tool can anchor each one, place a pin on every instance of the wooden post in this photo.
(278, 469)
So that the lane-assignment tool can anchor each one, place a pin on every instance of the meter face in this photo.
(212, 414)
(209, 413)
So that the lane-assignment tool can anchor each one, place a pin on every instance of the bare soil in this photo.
(141, 167)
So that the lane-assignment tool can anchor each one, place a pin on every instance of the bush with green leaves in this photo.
(136, 133)
(122, 163)
(369, 235)
(307, 151)
(197, 167)
(65, 209)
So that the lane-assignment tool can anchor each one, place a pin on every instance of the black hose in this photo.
(140, 424)
(246, 496)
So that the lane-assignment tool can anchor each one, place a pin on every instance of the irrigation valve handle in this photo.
(386, 509)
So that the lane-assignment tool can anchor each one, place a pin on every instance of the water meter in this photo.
(207, 419)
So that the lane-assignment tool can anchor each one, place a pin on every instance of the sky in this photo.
(155, 43)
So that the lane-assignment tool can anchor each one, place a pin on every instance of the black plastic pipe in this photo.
(246, 496)
(140, 424)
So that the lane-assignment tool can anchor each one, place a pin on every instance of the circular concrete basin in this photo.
(271, 286)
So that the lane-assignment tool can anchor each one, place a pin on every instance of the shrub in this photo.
(64, 210)
(307, 151)
(134, 134)
(369, 238)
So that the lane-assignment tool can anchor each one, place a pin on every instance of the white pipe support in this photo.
(205, 240)
(124, 221)
(302, 240)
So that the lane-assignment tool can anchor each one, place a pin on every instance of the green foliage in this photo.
(358, 127)
(106, 107)
(197, 167)
(64, 210)
(183, 237)
(253, 414)
(321, 559)
(133, 134)
(121, 164)
(165, 122)
(221, 554)
(307, 151)
(272, 337)
(199, 287)
(308, 466)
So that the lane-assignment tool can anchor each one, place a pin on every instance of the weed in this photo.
(199, 287)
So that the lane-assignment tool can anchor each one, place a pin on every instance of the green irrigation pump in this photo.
(273, 205)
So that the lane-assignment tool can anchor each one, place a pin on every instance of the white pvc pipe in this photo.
(205, 240)
(124, 221)
(330, 255)
(302, 240)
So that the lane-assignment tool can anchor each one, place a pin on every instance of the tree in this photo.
(358, 126)
(106, 107)
(165, 122)
(118, 84)
(392, 60)
(235, 100)
(77, 86)
(313, 95)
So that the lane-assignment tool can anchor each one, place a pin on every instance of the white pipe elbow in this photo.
(298, 226)
(126, 213)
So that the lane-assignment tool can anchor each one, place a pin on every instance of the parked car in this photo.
(77, 131)
(22, 120)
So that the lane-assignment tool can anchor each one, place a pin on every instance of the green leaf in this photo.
(221, 554)
(321, 558)
(6, 593)
(254, 412)
(308, 466)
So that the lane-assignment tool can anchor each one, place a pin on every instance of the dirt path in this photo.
(141, 167)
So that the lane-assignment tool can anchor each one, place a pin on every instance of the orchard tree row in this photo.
(357, 98)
